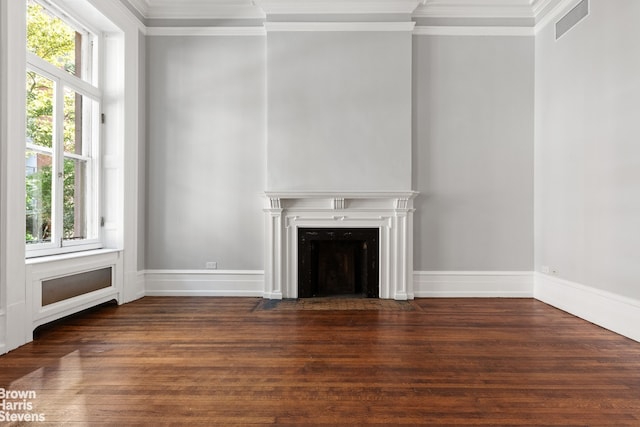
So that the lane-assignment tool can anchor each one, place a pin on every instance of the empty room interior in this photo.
(326, 212)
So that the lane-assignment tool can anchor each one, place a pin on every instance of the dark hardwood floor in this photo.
(219, 361)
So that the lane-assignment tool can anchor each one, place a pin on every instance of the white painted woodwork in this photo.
(473, 284)
(42, 269)
(391, 213)
(612, 311)
(218, 283)
(440, 9)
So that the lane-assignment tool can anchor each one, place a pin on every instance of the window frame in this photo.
(90, 89)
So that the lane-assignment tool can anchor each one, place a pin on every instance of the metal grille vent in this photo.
(62, 288)
(575, 15)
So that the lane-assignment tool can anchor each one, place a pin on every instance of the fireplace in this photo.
(390, 214)
(338, 262)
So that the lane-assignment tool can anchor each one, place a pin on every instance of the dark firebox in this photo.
(338, 262)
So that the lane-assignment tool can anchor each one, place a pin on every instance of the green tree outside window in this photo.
(56, 42)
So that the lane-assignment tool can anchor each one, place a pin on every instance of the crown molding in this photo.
(554, 10)
(473, 31)
(338, 26)
(539, 6)
(198, 9)
(142, 6)
(205, 11)
(245, 9)
(206, 31)
(475, 9)
(536, 11)
(303, 7)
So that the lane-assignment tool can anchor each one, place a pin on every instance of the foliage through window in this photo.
(62, 134)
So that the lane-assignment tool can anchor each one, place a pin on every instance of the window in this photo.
(62, 149)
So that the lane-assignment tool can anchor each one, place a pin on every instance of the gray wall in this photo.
(472, 140)
(339, 111)
(206, 152)
(588, 149)
(473, 152)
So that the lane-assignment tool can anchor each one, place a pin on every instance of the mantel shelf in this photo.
(409, 194)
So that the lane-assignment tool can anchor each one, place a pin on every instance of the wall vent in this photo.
(575, 15)
(62, 288)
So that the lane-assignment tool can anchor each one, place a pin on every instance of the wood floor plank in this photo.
(221, 361)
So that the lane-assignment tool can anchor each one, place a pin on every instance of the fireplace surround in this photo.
(391, 213)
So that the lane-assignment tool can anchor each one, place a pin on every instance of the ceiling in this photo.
(527, 12)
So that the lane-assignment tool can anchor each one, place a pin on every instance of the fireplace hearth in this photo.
(338, 262)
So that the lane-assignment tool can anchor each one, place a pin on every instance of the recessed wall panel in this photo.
(339, 111)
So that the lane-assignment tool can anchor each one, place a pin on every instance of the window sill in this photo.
(68, 256)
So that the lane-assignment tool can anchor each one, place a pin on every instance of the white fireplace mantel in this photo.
(390, 212)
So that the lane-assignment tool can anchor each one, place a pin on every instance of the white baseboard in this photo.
(3, 332)
(610, 311)
(16, 326)
(239, 283)
(614, 312)
(473, 284)
(141, 284)
(508, 284)
(133, 286)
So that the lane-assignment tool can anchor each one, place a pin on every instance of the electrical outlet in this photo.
(211, 265)
(545, 269)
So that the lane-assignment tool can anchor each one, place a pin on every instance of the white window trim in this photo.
(122, 89)
(61, 78)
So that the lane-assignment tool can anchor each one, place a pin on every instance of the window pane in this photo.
(40, 95)
(39, 110)
(76, 201)
(38, 197)
(53, 40)
(72, 122)
(62, 135)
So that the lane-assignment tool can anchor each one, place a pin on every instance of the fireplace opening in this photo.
(338, 262)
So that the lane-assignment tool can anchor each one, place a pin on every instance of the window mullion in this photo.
(58, 168)
(76, 156)
(39, 149)
(41, 66)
